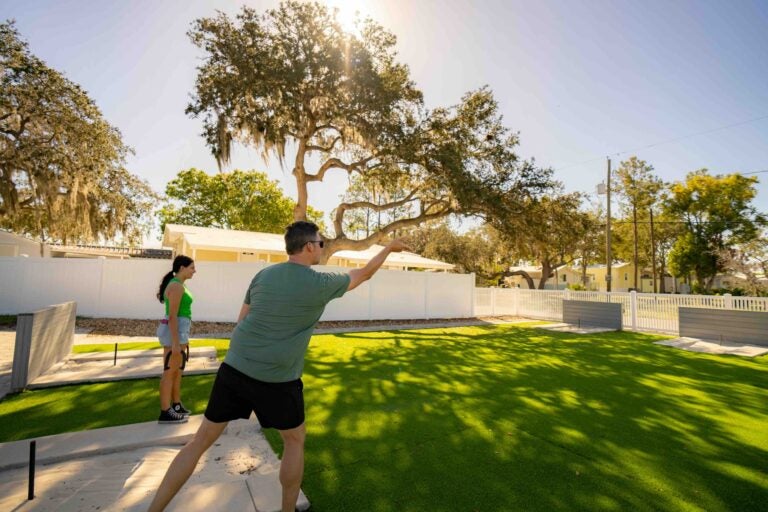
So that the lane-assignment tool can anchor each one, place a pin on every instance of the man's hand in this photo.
(360, 275)
(397, 245)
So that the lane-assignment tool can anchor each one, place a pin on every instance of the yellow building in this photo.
(213, 244)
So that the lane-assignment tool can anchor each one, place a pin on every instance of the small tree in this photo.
(478, 251)
(640, 190)
(244, 200)
(717, 214)
(549, 233)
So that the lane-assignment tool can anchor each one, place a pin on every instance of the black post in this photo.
(31, 491)
(115, 363)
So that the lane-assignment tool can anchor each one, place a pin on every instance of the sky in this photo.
(680, 84)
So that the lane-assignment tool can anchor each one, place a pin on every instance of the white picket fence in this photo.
(640, 311)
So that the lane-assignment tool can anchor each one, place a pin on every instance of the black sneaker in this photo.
(180, 409)
(171, 416)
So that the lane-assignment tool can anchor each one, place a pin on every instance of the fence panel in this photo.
(126, 289)
(654, 312)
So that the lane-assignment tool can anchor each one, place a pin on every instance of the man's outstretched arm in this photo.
(360, 275)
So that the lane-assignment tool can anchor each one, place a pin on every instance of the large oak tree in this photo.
(292, 83)
(62, 175)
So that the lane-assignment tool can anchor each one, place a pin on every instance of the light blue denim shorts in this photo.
(164, 333)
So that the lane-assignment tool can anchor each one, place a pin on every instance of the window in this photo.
(565, 278)
(626, 276)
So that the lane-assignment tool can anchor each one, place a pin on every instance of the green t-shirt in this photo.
(185, 306)
(286, 301)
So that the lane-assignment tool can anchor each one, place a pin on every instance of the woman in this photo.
(173, 333)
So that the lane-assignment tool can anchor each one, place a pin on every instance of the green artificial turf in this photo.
(493, 418)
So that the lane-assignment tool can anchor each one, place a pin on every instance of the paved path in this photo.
(130, 364)
(713, 347)
(119, 468)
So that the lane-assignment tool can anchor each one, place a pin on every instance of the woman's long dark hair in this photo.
(178, 262)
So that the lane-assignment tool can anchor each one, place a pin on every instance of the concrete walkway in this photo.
(131, 364)
(714, 347)
(575, 329)
(119, 468)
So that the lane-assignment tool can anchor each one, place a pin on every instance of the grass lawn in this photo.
(493, 418)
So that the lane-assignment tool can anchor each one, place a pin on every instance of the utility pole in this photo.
(653, 253)
(608, 229)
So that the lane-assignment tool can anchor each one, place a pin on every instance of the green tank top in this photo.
(185, 306)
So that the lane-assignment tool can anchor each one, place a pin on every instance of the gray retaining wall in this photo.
(592, 314)
(724, 325)
(43, 338)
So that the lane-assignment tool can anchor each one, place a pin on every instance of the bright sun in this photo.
(349, 11)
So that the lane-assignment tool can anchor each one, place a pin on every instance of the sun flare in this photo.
(349, 12)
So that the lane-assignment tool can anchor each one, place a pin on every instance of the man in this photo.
(263, 366)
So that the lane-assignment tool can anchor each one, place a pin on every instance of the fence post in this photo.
(728, 300)
(633, 308)
(566, 294)
(493, 301)
(426, 295)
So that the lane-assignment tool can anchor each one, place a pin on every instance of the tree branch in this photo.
(335, 163)
(311, 147)
(343, 207)
(343, 243)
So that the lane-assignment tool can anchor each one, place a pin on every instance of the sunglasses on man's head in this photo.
(321, 243)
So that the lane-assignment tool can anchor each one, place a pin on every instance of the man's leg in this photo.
(292, 466)
(184, 463)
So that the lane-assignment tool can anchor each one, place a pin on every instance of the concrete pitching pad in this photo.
(131, 364)
(119, 468)
(714, 347)
(575, 329)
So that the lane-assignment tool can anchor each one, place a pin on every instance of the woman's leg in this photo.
(176, 389)
(167, 382)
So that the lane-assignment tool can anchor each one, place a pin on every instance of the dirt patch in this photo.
(126, 327)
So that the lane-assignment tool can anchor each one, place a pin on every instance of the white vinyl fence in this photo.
(640, 311)
(106, 288)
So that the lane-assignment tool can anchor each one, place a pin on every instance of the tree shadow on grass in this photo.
(509, 418)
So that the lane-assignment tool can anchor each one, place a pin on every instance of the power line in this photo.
(669, 141)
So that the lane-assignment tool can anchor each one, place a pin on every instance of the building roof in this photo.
(252, 241)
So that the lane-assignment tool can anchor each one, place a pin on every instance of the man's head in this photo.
(300, 235)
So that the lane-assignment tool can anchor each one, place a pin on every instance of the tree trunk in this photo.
(546, 270)
(528, 278)
(300, 210)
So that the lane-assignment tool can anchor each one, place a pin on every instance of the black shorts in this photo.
(277, 405)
